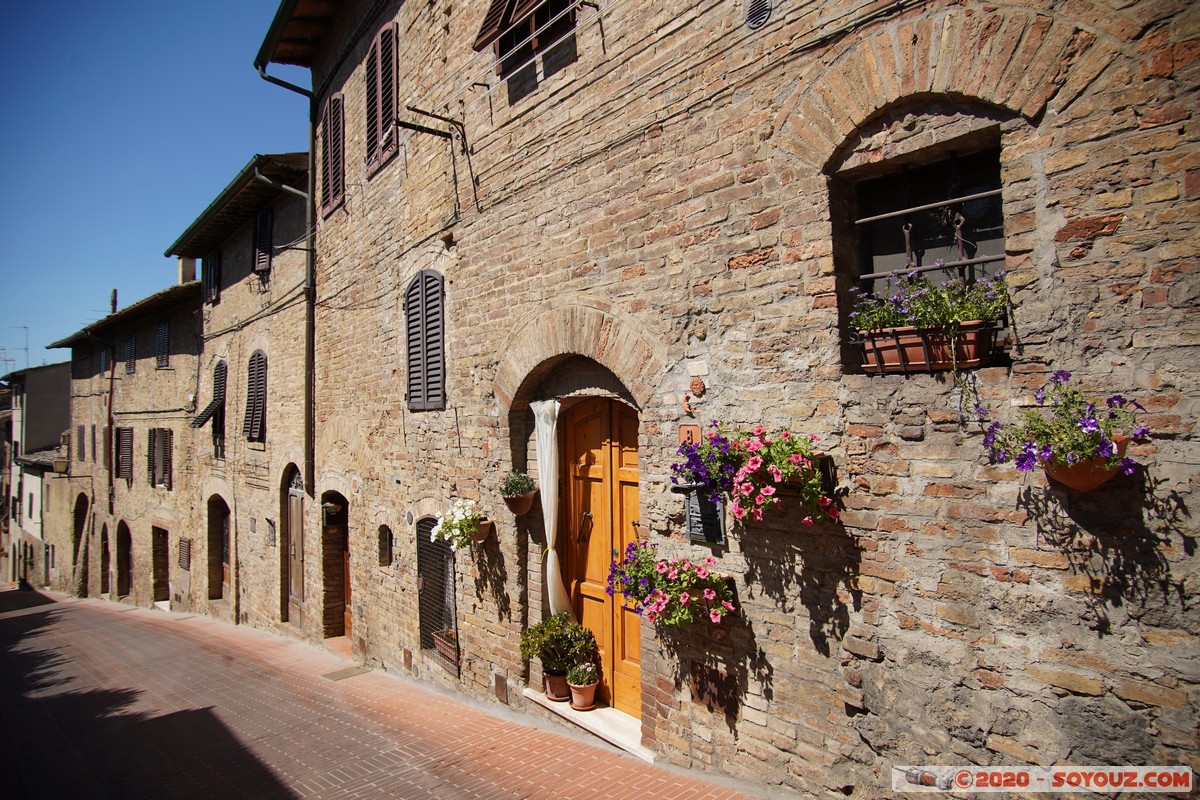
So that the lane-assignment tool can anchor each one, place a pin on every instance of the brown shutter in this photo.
(125, 453)
(387, 89)
(255, 423)
(262, 241)
(372, 76)
(80, 432)
(495, 21)
(130, 353)
(162, 342)
(211, 274)
(93, 444)
(167, 443)
(425, 323)
(151, 452)
(108, 448)
(523, 8)
(337, 158)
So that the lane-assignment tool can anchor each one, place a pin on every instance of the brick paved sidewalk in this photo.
(101, 700)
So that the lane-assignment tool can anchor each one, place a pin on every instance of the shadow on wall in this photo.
(1118, 539)
(117, 752)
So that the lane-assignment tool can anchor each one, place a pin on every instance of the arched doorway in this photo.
(291, 551)
(79, 556)
(219, 569)
(124, 560)
(105, 560)
(599, 437)
(335, 565)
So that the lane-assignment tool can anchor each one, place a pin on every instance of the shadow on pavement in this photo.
(60, 741)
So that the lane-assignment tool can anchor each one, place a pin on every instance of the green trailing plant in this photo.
(558, 642)
(669, 591)
(914, 301)
(457, 525)
(516, 484)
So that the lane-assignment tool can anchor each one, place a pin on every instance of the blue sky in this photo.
(122, 122)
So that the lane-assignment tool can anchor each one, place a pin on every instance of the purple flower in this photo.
(1040, 395)
(1089, 425)
(1106, 448)
(989, 436)
(1001, 456)
(1026, 461)
(1116, 401)
(1141, 433)
(1128, 465)
(1047, 453)
(1072, 458)
(1060, 376)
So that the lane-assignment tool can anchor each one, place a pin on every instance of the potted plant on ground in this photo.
(914, 326)
(1079, 441)
(747, 469)
(583, 678)
(669, 592)
(518, 491)
(559, 643)
(462, 524)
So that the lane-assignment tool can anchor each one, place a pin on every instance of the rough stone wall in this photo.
(662, 207)
(150, 397)
(254, 312)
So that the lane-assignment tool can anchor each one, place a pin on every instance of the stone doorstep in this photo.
(615, 727)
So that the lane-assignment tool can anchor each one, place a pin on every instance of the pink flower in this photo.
(758, 431)
(728, 605)
(757, 514)
(685, 599)
(824, 502)
(709, 594)
(709, 561)
(754, 463)
(701, 572)
(814, 437)
(776, 473)
(807, 520)
(767, 491)
(672, 574)
(747, 488)
(785, 435)
(650, 615)
(795, 458)
(737, 509)
(711, 434)
(660, 567)
(760, 500)
(715, 616)
(754, 446)
(833, 513)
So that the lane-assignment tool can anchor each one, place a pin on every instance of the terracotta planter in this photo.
(583, 698)
(483, 531)
(1085, 476)
(521, 503)
(446, 643)
(911, 349)
(557, 688)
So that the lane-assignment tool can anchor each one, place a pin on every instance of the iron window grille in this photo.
(436, 596)
(521, 30)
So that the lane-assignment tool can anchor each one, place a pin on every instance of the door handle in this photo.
(637, 528)
(583, 521)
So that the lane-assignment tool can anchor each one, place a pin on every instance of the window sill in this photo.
(259, 446)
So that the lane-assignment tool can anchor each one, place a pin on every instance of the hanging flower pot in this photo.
(483, 530)
(911, 349)
(1088, 474)
(521, 503)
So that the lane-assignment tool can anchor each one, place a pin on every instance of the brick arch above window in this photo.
(967, 59)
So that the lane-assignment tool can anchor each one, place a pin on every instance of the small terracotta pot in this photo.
(583, 698)
(1084, 476)
(483, 531)
(557, 688)
(521, 503)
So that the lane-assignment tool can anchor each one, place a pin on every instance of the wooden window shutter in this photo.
(372, 98)
(333, 175)
(151, 453)
(262, 241)
(125, 453)
(255, 423)
(167, 443)
(130, 353)
(424, 317)
(80, 433)
(381, 96)
(103, 360)
(108, 447)
(210, 273)
(496, 19)
(523, 8)
(93, 444)
(162, 344)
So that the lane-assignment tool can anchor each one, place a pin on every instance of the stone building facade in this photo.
(666, 193)
(248, 426)
(133, 384)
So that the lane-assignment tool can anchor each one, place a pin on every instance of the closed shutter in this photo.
(125, 453)
(333, 174)
(108, 448)
(93, 444)
(381, 96)
(262, 241)
(254, 426)
(211, 278)
(425, 323)
(80, 433)
(130, 353)
(162, 344)
(104, 361)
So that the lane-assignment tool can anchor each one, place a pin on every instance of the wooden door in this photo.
(347, 611)
(225, 576)
(600, 507)
(294, 561)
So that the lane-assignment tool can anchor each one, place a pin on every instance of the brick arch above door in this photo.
(1014, 59)
(585, 327)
